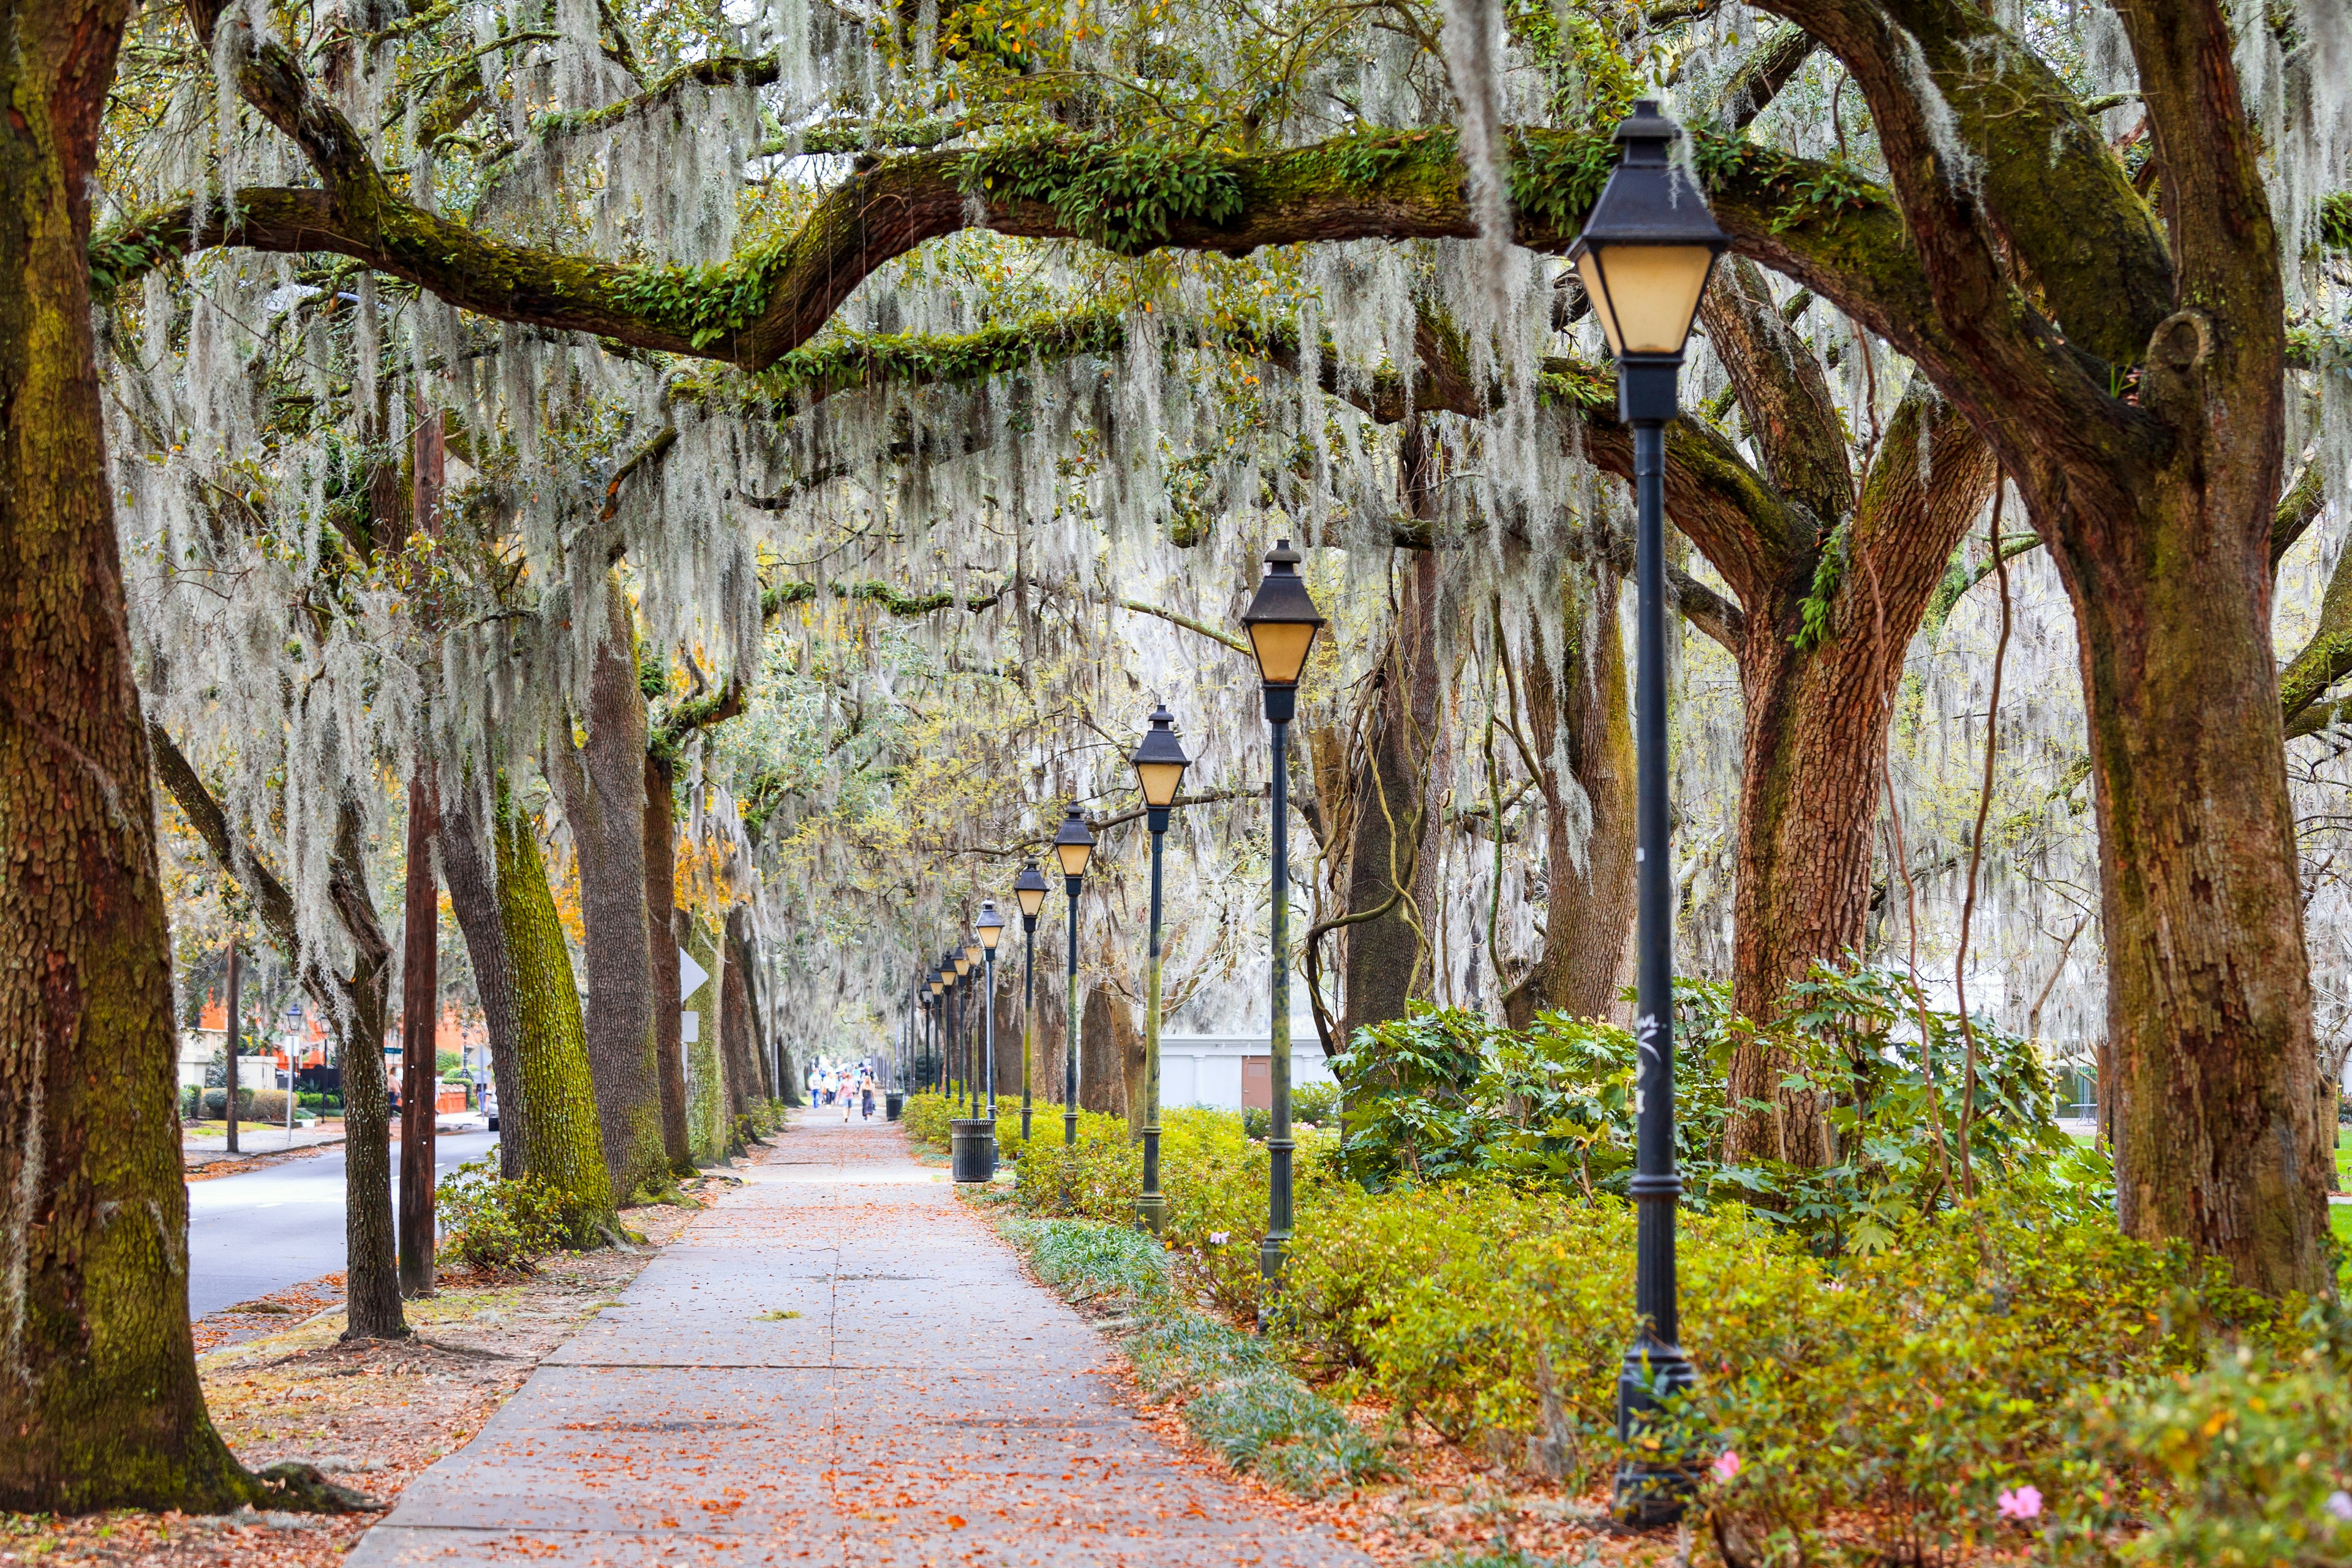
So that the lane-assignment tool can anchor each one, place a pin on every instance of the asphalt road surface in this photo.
(262, 1230)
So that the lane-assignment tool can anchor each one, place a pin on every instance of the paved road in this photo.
(838, 1366)
(262, 1230)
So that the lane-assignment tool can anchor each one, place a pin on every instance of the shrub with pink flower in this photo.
(1726, 1466)
(2026, 1502)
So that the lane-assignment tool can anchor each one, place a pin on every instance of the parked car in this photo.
(490, 1105)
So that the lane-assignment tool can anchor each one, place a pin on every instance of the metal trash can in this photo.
(975, 1148)
(891, 1105)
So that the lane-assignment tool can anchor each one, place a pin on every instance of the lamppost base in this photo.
(1647, 1497)
(1152, 1212)
(1025, 1124)
(1273, 1253)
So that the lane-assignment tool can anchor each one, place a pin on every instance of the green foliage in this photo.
(493, 1223)
(1853, 1037)
(1446, 1096)
(1315, 1104)
(1908, 1387)
(2253, 1453)
(1237, 1396)
(1125, 197)
(1093, 1262)
(926, 1117)
(1821, 600)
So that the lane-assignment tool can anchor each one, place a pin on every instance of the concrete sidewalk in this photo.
(836, 1365)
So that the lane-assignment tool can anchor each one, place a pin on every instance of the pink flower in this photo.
(2026, 1502)
(1726, 1466)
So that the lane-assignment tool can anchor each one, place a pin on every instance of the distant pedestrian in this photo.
(866, 1093)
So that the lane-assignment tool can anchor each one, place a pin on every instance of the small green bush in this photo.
(1315, 1103)
(493, 1223)
(256, 1104)
(2254, 1451)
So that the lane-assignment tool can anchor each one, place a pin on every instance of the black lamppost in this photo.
(959, 1068)
(990, 929)
(968, 960)
(933, 1076)
(1073, 847)
(1160, 763)
(1282, 621)
(1645, 256)
(1029, 888)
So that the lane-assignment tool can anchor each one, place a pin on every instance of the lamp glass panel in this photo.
(1159, 781)
(988, 935)
(962, 965)
(1652, 293)
(1032, 900)
(1282, 648)
(970, 954)
(1074, 857)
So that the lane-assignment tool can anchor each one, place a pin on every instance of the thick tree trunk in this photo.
(563, 1144)
(735, 1042)
(1589, 895)
(99, 1402)
(1110, 1054)
(1389, 957)
(370, 1252)
(474, 897)
(1815, 751)
(420, 1001)
(603, 787)
(661, 920)
(2217, 1128)
(705, 1087)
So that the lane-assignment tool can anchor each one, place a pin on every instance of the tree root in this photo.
(304, 1488)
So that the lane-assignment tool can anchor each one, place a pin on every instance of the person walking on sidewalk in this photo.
(865, 1096)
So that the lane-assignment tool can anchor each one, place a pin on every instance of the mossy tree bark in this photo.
(420, 1001)
(735, 1043)
(661, 931)
(474, 898)
(1387, 954)
(99, 1405)
(1580, 694)
(1110, 1055)
(603, 787)
(2157, 503)
(562, 1141)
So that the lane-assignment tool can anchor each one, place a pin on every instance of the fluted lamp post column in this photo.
(1073, 845)
(990, 929)
(1029, 888)
(1645, 256)
(972, 1026)
(968, 960)
(934, 1071)
(959, 1060)
(1160, 763)
(1282, 621)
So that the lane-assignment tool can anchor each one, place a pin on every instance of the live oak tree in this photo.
(2026, 339)
(2125, 363)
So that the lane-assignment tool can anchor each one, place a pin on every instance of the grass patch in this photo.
(1091, 1263)
(1237, 1396)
